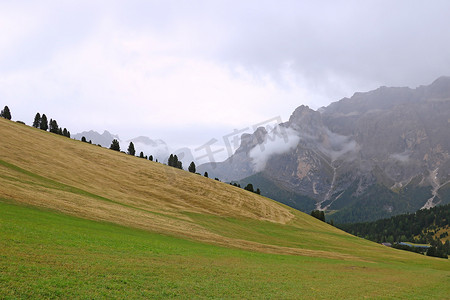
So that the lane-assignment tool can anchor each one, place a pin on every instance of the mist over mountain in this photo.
(158, 148)
(373, 155)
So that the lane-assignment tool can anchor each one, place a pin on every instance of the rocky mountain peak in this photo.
(248, 141)
(306, 121)
(301, 113)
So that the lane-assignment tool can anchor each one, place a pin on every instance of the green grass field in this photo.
(79, 221)
(48, 255)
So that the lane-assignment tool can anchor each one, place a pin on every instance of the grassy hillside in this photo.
(78, 220)
(273, 191)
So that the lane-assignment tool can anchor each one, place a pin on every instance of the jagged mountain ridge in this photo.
(373, 155)
(158, 148)
(103, 139)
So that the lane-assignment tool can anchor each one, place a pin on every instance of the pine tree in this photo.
(206, 174)
(258, 191)
(249, 187)
(141, 155)
(37, 120)
(64, 133)
(83, 139)
(151, 158)
(318, 214)
(131, 150)
(192, 167)
(6, 113)
(170, 160)
(44, 123)
(175, 161)
(115, 145)
(54, 126)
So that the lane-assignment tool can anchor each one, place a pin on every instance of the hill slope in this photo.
(171, 225)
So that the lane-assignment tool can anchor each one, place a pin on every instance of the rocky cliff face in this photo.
(239, 165)
(375, 154)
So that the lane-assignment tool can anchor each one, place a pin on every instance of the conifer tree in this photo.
(151, 158)
(6, 113)
(83, 139)
(54, 126)
(64, 133)
(37, 120)
(318, 214)
(206, 174)
(141, 155)
(192, 167)
(131, 150)
(175, 161)
(249, 187)
(115, 145)
(44, 123)
(258, 191)
(170, 160)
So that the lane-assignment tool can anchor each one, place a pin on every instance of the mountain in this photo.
(374, 155)
(238, 165)
(157, 148)
(81, 221)
(103, 139)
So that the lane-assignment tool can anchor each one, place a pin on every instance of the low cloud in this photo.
(279, 141)
(338, 146)
(401, 157)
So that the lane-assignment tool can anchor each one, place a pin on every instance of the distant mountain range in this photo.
(157, 148)
(374, 155)
(103, 139)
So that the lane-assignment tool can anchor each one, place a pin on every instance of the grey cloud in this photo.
(401, 157)
(279, 141)
(339, 146)
(363, 43)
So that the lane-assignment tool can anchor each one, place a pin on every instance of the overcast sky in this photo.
(189, 71)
